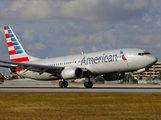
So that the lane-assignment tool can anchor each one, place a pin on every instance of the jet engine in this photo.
(71, 73)
(114, 76)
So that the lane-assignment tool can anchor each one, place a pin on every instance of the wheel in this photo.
(61, 84)
(65, 84)
(88, 84)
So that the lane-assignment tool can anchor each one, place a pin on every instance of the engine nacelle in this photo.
(71, 73)
(114, 76)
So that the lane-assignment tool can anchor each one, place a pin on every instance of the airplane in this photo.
(111, 64)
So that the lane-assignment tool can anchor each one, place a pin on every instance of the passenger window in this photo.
(141, 54)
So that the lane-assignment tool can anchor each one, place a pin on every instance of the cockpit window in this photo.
(145, 53)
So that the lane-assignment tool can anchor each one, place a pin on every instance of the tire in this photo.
(65, 84)
(90, 84)
(61, 84)
(86, 84)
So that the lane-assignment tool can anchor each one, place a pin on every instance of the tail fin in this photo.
(15, 49)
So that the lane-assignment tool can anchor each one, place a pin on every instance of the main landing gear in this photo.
(63, 84)
(88, 84)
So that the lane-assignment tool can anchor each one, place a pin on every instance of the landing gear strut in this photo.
(88, 84)
(63, 84)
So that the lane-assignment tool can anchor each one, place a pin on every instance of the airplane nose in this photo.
(156, 59)
(152, 59)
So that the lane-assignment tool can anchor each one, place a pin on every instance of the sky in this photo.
(52, 28)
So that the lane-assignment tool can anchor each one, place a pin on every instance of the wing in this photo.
(32, 67)
(8, 66)
(38, 68)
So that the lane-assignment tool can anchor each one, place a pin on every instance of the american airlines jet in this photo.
(111, 64)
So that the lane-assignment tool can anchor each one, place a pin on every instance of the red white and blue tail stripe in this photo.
(15, 49)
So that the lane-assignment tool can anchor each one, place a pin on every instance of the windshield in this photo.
(144, 53)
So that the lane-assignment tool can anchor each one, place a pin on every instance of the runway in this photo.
(103, 89)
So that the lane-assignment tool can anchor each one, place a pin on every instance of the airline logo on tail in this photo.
(16, 52)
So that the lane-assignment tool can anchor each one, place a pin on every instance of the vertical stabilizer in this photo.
(15, 49)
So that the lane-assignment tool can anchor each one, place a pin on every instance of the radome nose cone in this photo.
(153, 59)
(156, 59)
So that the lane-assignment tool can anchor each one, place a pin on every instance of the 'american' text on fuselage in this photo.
(100, 59)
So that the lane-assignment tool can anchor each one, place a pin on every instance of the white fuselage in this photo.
(112, 61)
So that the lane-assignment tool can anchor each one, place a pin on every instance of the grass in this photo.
(79, 107)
